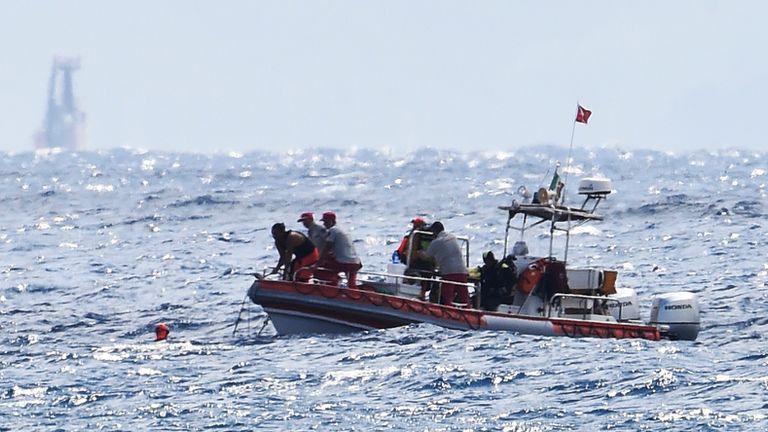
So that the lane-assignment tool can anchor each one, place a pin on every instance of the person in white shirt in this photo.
(315, 231)
(445, 251)
(338, 254)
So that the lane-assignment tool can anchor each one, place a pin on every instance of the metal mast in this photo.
(64, 123)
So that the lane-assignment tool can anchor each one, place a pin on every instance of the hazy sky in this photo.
(497, 75)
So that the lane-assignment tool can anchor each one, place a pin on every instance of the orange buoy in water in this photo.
(161, 331)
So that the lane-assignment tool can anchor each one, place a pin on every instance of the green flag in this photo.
(555, 181)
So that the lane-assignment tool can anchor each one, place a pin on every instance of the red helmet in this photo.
(418, 222)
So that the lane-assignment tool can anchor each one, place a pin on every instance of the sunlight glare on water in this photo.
(99, 247)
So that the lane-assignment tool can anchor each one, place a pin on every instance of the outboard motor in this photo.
(625, 308)
(679, 311)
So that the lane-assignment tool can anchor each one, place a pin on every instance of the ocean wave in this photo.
(203, 200)
(176, 237)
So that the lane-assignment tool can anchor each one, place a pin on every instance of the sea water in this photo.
(99, 247)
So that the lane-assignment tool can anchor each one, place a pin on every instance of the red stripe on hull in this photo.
(470, 318)
(572, 328)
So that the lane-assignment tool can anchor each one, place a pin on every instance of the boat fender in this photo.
(530, 277)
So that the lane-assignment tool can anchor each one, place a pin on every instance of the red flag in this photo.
(582, 115)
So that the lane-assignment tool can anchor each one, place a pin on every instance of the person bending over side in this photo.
(293, 243)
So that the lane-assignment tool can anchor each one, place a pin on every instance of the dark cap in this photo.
(437, 227)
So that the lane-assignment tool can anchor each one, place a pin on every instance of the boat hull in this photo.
(306, 308)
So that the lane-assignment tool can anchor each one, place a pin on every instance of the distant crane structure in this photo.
(64, 123)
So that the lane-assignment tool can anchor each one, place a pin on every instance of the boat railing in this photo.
(598, 302)
(390, 279)
(396, 277)
(400, 279)
(265, 274)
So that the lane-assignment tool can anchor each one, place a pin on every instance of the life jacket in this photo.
(531, 276)
(421, 243)
(402, 250)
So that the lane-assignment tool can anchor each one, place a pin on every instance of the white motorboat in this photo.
(549, 298)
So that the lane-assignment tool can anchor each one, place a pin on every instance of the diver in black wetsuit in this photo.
(497, 279)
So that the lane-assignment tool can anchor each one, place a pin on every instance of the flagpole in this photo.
(567, 171)
(570, 152)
